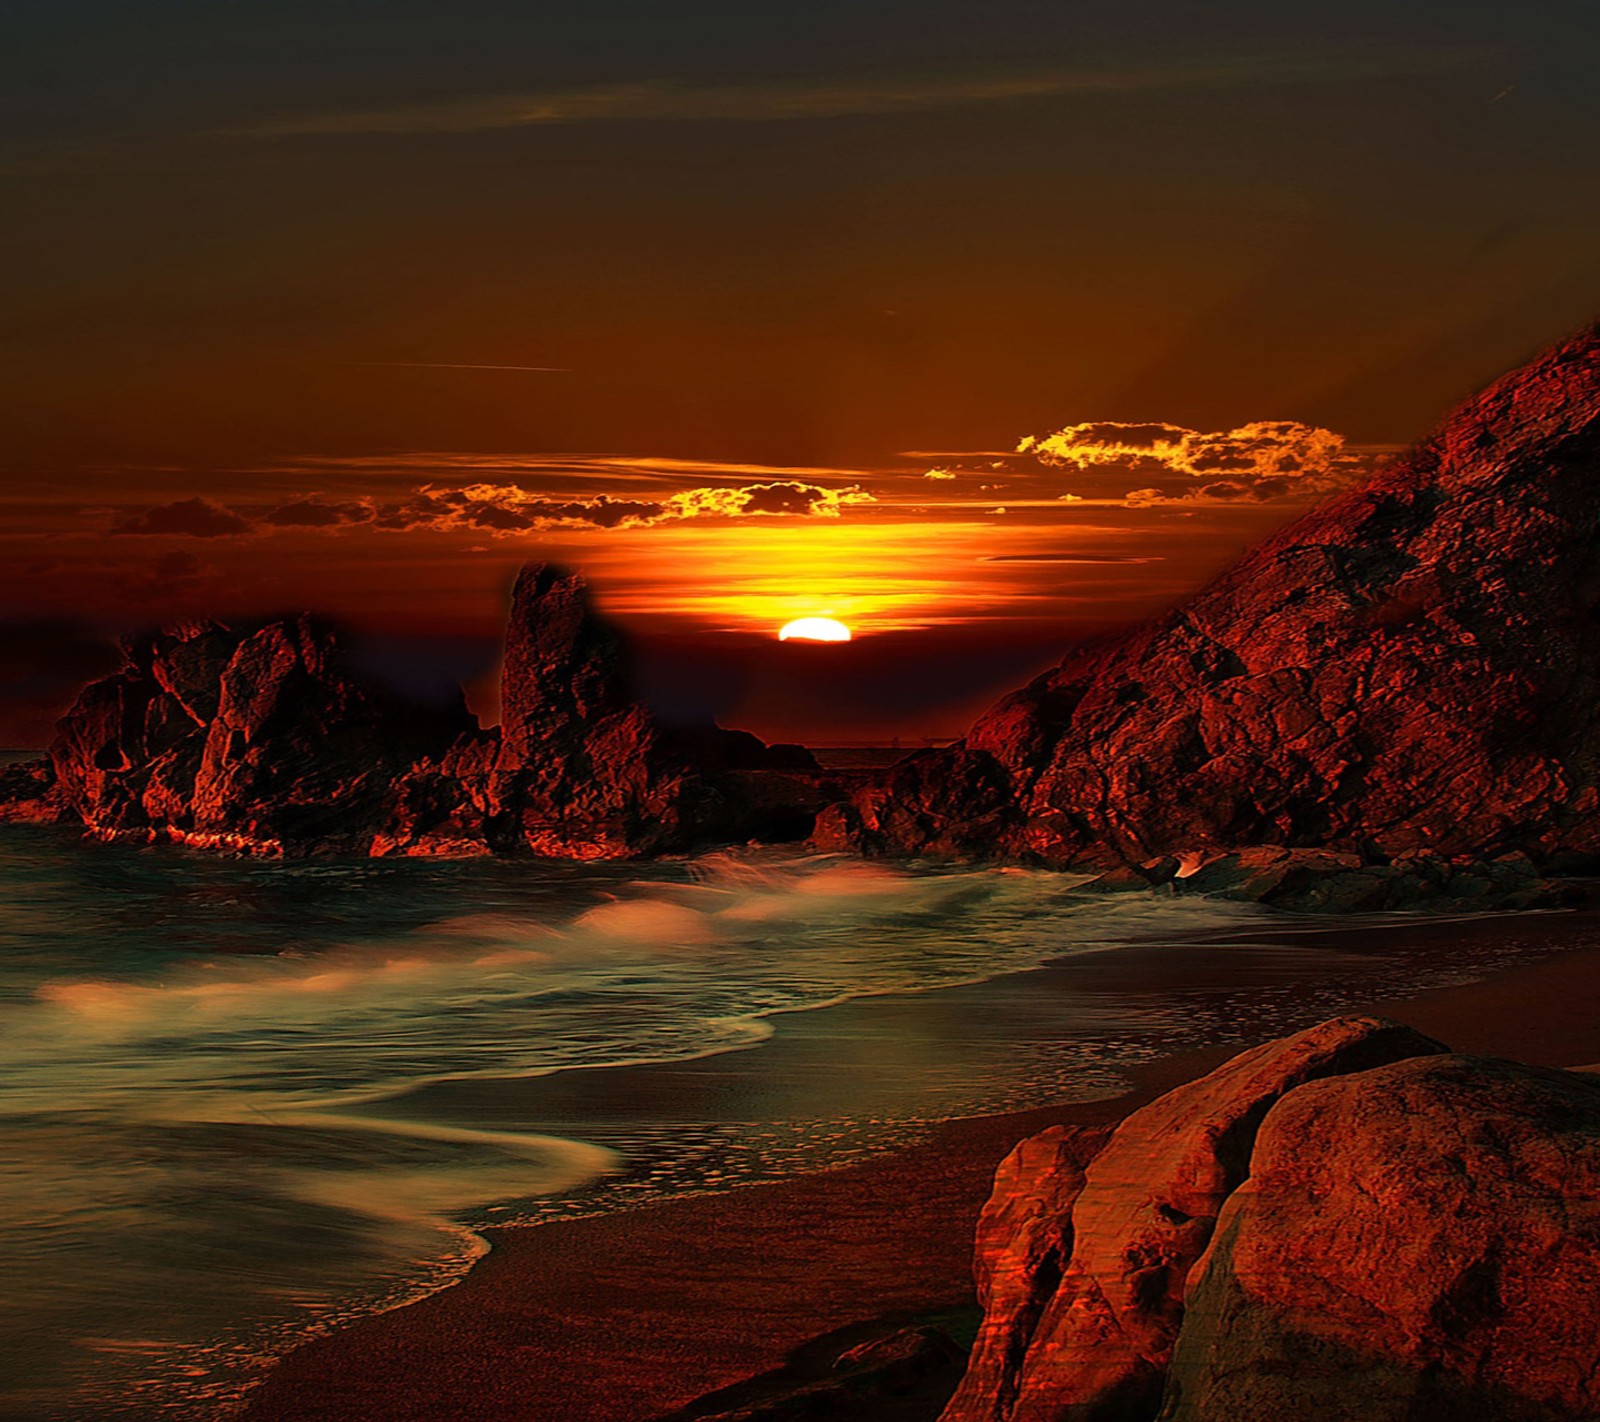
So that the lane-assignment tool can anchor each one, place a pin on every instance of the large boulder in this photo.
(127, 752)
(1410, 667)
(1092, 1337)
(302, 753)
(1419, 1243)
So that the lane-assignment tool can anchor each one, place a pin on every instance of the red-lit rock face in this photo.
(264, 743)
(1088, 1328)
(1350, 1223)
(1421, 1240)
(1414, 666)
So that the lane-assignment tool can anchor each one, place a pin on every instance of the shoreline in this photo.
(629, 1315)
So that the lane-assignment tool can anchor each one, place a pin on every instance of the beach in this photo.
(629, 1315)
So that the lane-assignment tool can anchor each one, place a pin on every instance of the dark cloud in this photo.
(783, 498)
(1131, 437)
(501, 519)
(1264, 461)
(185, 518)
(318, 513)
(1262, 449)
(510, 508)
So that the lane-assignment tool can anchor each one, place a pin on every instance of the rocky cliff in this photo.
(273, 741)
(1349, 1225)
(1412, 668)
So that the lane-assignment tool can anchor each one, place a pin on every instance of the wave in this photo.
(657, 970)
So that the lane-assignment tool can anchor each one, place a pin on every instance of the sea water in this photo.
(244, 1099)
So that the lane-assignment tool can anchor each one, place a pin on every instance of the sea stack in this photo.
(273, 741)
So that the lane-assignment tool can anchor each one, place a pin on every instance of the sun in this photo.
(814, 629)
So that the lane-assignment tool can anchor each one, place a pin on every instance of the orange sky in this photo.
(959, 572)
(304, 309)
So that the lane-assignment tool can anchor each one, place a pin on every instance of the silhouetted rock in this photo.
(1326, 881)
(1412, 667)
(583, 768)
(28, 793)
(1088, 1334)
(263, 742)
(579, 766)
(903, 1375)
(717, 750)
(1421, 1241)
(952, 802)
(271, 742)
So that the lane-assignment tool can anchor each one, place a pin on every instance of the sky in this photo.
(982, 329)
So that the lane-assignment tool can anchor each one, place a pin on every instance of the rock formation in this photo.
(1411, 668)
(577, 766)
(272, 741)
(1086, 1328)
(28, 793)
(1349, 1225)
(1024, 1245)
(262, 742)
(1420, 1241)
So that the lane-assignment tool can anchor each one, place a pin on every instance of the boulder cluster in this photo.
(273, 740)
(1348, 1225)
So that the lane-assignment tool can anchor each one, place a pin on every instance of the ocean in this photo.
(245, 1100)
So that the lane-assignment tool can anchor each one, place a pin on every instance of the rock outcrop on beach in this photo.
(577, 765)
(272, 740)
(28, 793)
(1337, 882)
(1350, 1223)
(1089, 1324)
(1419, 1241)
(264, 741)
(903, 1376)
(1411, 668)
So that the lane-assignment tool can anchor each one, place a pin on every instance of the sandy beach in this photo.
(629, 1315)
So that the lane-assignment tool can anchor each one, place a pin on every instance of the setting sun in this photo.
(814, 629)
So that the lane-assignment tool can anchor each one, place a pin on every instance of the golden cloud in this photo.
(1262, 449)
(509, 508)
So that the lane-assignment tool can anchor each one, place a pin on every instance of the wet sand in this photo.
(624, 1317)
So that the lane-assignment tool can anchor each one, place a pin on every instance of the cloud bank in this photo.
(1265, 459)
(496, 509)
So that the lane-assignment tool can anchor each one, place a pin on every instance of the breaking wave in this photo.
(203, 1066)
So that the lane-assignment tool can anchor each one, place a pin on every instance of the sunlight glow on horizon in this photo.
(814, 629)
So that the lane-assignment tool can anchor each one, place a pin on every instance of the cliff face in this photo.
(1411, 667)
(1347, 1224)
(272, 742)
